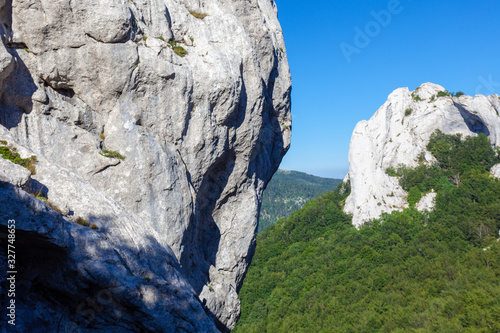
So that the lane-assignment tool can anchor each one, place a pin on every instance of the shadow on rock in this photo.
(71, 278)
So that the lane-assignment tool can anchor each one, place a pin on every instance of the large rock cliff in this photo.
(195, 95)
(398, 133)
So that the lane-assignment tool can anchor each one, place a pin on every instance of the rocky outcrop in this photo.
(398, 133)
(158, 121)
(13, 173)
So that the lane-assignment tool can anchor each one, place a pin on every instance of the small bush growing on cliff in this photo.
(39, 196)
(458, 94)
(415, 97)
(54, 207)
(391, 172)
(180, 51)
(81, 221)
(112, 154)
(11, 155)
(85, 223)
(414, 196)
(444, 94)
(408, 112)
(198, 15)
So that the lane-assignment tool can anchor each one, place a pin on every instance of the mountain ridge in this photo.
(288, 191)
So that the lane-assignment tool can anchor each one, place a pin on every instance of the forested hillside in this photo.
(288, 191)
(405, 272)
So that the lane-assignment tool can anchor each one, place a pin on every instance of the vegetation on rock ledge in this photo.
(198, 15)
(112, 154)
(180, 51)
(9, 153)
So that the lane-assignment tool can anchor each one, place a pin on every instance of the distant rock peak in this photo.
(398, 133)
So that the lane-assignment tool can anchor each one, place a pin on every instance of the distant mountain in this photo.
(289, 191)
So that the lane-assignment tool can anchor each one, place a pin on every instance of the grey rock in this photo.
(201, 135)
(426, 203)
(6, 62)
(495, 170)
(13, 173)
(40, 96)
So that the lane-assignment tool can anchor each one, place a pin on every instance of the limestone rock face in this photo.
(495, 170)
(398, 133)
(160, 122)
(426, 203)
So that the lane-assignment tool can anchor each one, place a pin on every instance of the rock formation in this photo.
(160, 122)
(398, 133)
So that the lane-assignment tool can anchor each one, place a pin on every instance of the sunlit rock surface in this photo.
(195, 95)
(398, 133)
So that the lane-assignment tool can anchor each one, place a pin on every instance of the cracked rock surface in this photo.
(160, 122)
(398, 133)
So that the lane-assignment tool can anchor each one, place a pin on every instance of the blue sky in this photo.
(341, 77)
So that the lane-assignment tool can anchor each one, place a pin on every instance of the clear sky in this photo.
(341, 76)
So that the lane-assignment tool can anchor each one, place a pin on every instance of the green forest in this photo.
(288, 191)
(405, 272)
